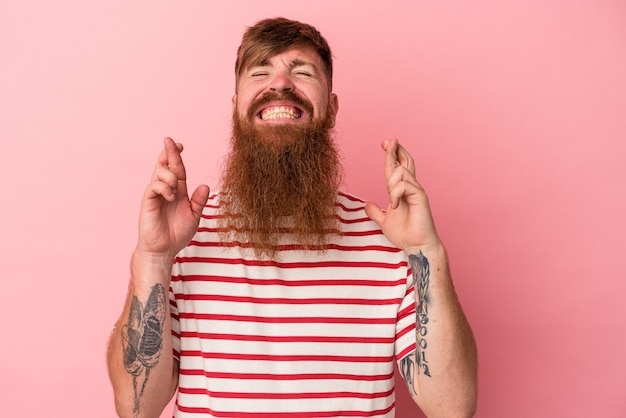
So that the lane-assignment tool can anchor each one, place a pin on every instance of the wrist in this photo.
(151, 268)
(433, 250)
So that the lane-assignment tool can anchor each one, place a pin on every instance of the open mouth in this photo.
(280, 112)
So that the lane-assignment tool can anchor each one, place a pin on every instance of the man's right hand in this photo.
(168, 218)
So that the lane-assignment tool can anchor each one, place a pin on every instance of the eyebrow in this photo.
(297, 62)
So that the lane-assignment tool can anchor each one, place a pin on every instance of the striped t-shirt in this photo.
(309, 335)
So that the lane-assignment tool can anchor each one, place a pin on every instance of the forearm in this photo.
(140, 362)
(444, 363)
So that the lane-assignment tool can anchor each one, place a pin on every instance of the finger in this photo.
(199, 198)
(397, 156)
(375, 213)
(396, 194)
(162, 160)
(164, 183)
(165, 175)
(160, 189)
(411, 193)
(401, 174)
(405, 159)
(171, 158)
(391, 157)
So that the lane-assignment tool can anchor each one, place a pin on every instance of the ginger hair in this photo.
(269, 37)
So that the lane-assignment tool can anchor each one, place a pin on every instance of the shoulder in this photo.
(352, 216)
(349, 202)
(214, 203)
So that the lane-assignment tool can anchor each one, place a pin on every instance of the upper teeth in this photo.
(280, 112)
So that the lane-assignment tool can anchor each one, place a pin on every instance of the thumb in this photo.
(199, 199)
(375, 213)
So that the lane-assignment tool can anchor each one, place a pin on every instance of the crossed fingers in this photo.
(400, 172)
(397, 156)
(169, 171)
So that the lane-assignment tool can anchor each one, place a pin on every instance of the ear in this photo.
(333, 106)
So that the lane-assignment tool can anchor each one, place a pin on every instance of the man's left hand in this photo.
(407, 223)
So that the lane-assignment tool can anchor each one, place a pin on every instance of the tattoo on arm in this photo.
(142, 339)
(421, 274)
(407, 368)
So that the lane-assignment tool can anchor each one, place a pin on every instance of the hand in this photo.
(407, 223)
(169, 218)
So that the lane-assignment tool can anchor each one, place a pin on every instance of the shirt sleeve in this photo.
(405, 321)
(174, 314)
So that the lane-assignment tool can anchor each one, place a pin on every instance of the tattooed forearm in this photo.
(142, 339)
(421, 274)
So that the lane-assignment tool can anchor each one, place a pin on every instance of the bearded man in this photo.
(287, 296)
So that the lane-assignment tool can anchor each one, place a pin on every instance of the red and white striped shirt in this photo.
(310, 335)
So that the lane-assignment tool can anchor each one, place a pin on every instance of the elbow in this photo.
(464, 411)
(463, 406)
(124, 407)
(122, 411)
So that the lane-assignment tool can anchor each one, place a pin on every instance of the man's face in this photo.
(288, 88)
(283, 160)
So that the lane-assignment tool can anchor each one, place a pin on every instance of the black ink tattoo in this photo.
(142, 339)
(407, 367)
(421, 274)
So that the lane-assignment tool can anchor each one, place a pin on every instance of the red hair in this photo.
(269, 37)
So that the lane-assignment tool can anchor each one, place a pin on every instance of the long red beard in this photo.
(280, 176)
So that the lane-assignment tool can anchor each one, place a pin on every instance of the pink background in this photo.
(515, 112)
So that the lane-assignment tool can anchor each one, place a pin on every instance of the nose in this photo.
(281, 82)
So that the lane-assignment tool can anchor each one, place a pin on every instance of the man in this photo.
(288, 297)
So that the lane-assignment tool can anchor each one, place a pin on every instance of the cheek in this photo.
(242, 104)
(319, 100)
(245, 96)
(322, 108)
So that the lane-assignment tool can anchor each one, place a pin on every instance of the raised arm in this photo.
(141, 367)
(441, 374)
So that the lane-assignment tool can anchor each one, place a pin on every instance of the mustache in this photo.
(271, 96)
